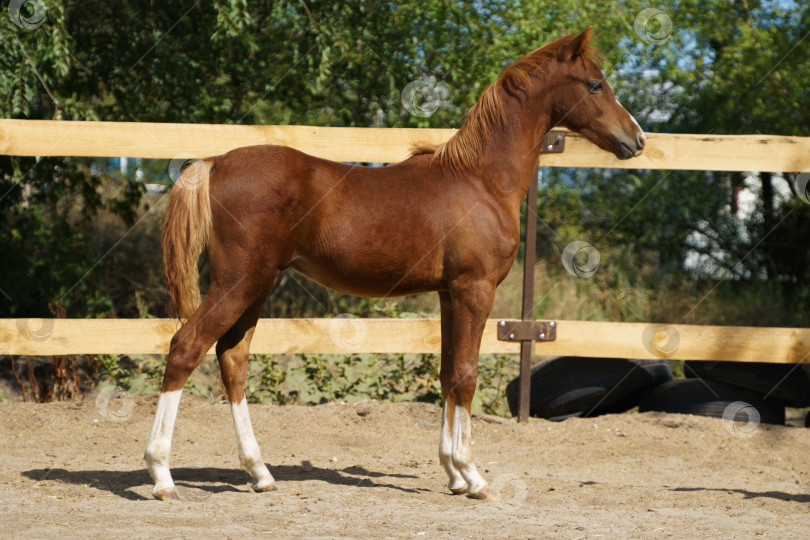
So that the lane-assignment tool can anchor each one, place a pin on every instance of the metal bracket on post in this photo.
(527, 331)
(553, 142)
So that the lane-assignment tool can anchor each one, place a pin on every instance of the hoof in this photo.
(168, 494)
(485, 494)
(460, 490)
(263, 489)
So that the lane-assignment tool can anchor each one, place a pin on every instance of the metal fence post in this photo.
(527, 313)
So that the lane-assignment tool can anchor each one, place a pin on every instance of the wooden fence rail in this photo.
(383, 145)
(345, 335)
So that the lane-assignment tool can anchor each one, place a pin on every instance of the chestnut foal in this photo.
(447, 219)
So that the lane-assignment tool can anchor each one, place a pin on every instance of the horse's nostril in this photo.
(641, 139)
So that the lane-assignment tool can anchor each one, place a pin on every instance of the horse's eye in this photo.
(594, 86)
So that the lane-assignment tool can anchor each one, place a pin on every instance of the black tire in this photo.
(710, 398)
(788, 382)
(578, 386)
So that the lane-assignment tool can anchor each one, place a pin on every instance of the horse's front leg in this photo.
(456, 483)
(470, 305)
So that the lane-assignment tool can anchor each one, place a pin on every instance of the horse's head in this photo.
(583, 101)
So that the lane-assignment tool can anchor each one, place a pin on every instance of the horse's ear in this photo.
(576, 47)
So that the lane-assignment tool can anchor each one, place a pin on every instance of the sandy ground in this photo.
(370, 470)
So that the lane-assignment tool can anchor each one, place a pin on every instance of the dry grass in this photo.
(559, 295)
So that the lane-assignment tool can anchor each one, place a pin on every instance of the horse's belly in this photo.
(373, 279)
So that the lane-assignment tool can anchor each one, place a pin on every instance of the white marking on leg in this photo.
(159, 447)
(250, 455)
(457, 483)
(462, 450)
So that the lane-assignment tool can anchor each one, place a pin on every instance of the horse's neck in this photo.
(513, 147)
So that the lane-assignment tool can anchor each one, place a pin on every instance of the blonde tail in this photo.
(186, 229)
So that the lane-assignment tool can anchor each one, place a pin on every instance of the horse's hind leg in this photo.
(220, 310)
(233, 353)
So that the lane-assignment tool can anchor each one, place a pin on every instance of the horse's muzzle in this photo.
(630, 149)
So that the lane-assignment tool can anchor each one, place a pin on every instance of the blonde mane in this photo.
(460, 153)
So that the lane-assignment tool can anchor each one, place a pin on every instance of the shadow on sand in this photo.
(214, 480)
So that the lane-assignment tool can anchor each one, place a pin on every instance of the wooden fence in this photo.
(581, 338)
(347, 335)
